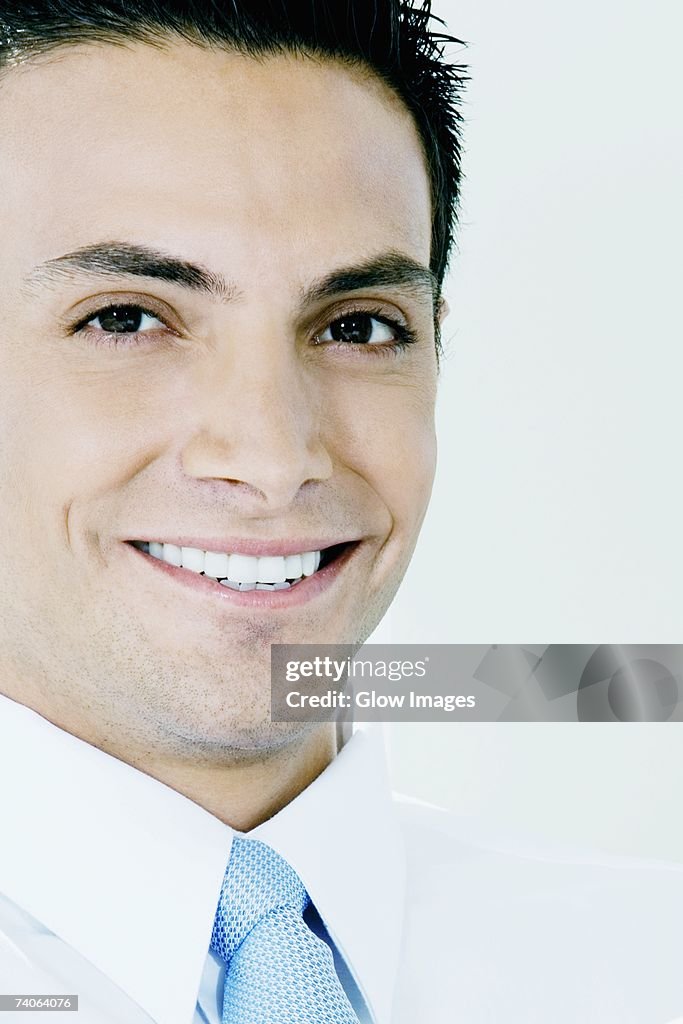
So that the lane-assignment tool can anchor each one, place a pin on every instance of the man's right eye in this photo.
(124, 320)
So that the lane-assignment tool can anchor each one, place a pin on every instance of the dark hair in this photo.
(393, 38)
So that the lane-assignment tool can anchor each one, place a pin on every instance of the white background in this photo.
(558, 508)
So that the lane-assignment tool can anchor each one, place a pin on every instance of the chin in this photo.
(236, 742)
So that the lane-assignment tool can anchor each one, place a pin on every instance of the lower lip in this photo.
(309, 588)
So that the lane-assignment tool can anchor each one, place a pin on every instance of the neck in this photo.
(245, 794)
(241, 794)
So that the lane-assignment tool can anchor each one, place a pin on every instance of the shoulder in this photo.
(504, 925)
(435, 836)
(35, 962)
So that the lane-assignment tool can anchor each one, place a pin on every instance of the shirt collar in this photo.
(100, 850)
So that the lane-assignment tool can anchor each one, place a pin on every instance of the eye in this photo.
(362, 329)
(124, 320)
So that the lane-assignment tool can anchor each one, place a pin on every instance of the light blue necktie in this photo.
(277, 970)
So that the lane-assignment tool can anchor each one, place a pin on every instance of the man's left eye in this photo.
(359, 329)
(125, 320)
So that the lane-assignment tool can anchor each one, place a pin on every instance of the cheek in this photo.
(408, 479)
(69, 435)
(386, 435)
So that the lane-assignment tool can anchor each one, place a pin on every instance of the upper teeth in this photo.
(236, 568)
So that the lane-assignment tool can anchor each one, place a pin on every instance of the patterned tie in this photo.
(277, 970)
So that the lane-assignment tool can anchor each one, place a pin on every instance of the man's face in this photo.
(230, 411)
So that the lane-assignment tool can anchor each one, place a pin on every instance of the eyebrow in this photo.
(108, 259)
(125, 259)
(384, 271)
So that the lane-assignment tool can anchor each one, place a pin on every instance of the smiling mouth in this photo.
(244, 572)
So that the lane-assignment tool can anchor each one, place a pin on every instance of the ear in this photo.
(443, 310)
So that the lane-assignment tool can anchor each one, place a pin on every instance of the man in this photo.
(225, 231)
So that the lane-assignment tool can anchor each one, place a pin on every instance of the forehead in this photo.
(230, 157)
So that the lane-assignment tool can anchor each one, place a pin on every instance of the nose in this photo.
(259, 427)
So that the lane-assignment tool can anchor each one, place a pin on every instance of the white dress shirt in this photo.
(111, 881)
